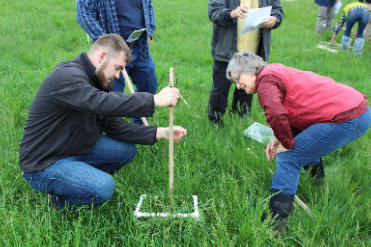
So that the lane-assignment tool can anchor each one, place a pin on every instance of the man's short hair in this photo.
(113, 44)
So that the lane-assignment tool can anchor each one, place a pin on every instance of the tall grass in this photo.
(231, 183)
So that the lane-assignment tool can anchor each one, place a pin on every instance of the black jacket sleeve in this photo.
(117, 128)
(219, 13)
(71, 89)
(277, 11)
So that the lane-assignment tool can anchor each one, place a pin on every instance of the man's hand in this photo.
(149, 40)
(273, 148)
(240, 12)
(164, 133)
(270, 22)
(167, 97)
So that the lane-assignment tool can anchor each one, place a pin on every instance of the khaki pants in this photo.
(325, 15)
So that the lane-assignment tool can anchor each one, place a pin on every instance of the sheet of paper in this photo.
(255, 17)
(337, 7)
(136, 35)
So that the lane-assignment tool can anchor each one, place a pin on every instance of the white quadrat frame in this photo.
(137, 213)
(195, 214)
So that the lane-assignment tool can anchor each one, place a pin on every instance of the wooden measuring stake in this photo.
(303, 205)
(171, 136)
(131, 89)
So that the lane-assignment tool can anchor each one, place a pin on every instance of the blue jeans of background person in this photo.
(83, 180)
(360, 15)
(142, 71)
(313, 143)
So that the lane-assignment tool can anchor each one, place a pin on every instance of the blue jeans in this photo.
(142, 71)
(83, 180)
(356, 14)
(313, 143)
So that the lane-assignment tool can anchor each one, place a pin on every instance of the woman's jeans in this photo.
(83, 180)
(313, 143)
(357, 14)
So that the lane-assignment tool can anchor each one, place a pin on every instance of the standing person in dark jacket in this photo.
(63, 151)
(327, 115)
(225, 14)
(100, 17)
(326, 14)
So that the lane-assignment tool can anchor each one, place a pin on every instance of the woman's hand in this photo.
(273, 148)
(281, 149)
(164, 133)
(333, 40)
(270, 151)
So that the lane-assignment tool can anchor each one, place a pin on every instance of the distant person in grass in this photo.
(100, 17)
(228, 18)
(326, 14)
(311, 116)
(75, 137)
(354, 12)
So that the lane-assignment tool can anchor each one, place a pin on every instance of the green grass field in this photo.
(230, 182)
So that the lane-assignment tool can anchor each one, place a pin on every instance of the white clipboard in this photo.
(255, 17)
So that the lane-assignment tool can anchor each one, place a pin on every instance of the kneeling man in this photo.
(64, 151)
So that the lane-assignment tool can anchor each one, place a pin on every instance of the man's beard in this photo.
(102, 78)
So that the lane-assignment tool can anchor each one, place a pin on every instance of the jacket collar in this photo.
(91, 71)
(258, 76)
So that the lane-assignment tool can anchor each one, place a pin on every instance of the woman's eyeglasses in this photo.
(237, 78)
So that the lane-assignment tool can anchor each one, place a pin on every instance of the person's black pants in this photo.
(218, 102)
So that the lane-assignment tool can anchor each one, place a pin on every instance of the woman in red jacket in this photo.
(311, 117)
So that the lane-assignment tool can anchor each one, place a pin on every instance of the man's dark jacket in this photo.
(71, 111)
(224, 41)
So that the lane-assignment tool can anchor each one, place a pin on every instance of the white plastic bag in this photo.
(259, 133)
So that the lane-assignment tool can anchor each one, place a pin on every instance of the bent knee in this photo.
(104, 190)
(131, 152)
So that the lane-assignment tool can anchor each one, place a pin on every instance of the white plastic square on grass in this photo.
(142, 214)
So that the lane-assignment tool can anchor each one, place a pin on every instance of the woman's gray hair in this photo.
(245, 62)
